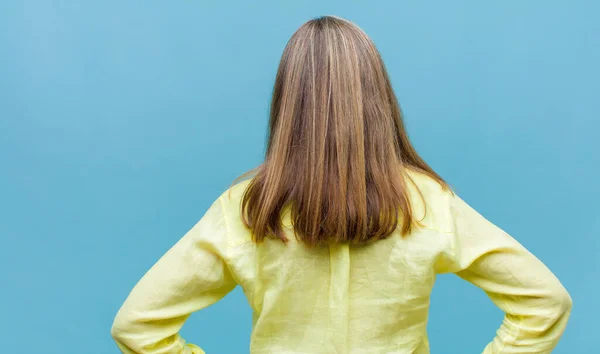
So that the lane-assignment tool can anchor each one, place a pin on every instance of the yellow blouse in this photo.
(344, 299)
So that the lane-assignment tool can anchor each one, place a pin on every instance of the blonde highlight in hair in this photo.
(337, 148)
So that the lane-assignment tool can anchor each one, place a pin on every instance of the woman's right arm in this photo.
(536, 304)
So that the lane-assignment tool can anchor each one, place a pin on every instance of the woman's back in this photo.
(340, 298)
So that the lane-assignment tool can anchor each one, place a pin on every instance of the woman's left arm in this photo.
(190, 276)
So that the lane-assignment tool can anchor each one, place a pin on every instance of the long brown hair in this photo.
(337, 149)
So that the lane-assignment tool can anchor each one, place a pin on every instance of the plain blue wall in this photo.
(121, 121)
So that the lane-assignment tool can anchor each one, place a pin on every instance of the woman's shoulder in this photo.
(426, 184)
(429, 199)
(230, 201)
(233, 195)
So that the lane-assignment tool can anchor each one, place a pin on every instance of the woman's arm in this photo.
(536, 305)
(190, 276)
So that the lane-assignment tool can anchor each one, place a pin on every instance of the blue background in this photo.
(121, 121)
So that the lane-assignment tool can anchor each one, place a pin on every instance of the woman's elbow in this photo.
(560, 302)
(566, 301)
(120, 329)
(547, 313)
(115, 332)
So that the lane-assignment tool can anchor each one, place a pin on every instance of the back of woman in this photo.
(337, 237)
(342, 298)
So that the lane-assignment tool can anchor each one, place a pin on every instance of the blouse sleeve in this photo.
(536, 305)
(190, 276)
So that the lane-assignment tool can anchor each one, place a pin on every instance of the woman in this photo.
(337, 237)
